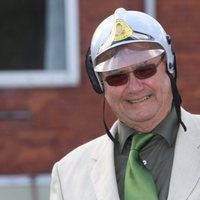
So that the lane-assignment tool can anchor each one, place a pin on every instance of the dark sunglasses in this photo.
(142, 72)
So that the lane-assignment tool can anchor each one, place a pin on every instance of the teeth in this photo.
(139, 100)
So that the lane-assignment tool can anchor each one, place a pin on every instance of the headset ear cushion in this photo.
(91, 74)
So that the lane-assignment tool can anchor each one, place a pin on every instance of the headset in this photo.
(92, 74)
(98, 89)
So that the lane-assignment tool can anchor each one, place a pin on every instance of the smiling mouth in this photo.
(139, 100)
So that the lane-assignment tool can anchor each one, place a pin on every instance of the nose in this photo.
(134, 84)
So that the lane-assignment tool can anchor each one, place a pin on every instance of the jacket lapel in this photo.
(186, 165)
(103, 170)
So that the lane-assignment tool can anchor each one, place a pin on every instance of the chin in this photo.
(142, 116)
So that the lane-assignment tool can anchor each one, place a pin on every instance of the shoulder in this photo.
(79, 158)
(191, 120)
(75, 164)
(186, 115)
(85, 150)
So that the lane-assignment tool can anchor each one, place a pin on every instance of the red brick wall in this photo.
(181, 19)
(61, 119)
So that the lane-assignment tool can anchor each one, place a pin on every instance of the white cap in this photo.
(129, 27)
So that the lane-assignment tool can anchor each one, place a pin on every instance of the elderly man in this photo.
(153, 149)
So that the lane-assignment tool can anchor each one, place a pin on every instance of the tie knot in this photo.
(139, 140)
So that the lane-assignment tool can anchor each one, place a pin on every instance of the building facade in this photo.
(41, 123)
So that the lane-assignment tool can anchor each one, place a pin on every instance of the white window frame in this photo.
(70, 76)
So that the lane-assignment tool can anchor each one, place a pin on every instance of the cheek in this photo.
(164, 93)
(113, 94)
(160, 85)
(110, 93)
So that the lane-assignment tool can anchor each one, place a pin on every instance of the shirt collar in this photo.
(123, 133)
(168, 129)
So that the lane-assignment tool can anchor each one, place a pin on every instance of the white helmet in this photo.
(138, 28)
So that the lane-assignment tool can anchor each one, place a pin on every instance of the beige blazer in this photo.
(88, 172)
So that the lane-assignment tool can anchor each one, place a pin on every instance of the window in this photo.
(39, 43)
(25, 187)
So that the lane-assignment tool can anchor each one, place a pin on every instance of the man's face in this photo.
(141, 104)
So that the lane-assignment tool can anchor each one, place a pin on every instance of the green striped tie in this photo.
(139, 184)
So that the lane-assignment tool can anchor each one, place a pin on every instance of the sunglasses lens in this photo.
(146, 71)
(117, 80)
(141, 73)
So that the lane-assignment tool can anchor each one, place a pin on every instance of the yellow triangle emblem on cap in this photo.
(121, 31)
